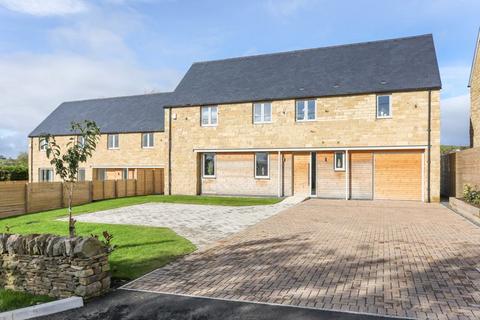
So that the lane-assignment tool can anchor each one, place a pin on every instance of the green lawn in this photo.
(138, 249)
(10, 300)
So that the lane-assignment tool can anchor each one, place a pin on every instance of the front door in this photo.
(301, 174)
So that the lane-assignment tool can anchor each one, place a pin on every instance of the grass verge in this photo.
(11, 300)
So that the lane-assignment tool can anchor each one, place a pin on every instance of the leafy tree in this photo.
(22, 159)
(78, 149)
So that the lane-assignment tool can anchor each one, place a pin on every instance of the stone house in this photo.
(358, 121)
(474, 85)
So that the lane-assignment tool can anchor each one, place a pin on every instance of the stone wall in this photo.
(475, 101)
(55, 266)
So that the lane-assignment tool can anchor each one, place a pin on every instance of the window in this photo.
(262, 112)
(261, 165)
(306, 110)
(209, 116)
(45, 175)
(42, 144)
(147, 140)
(384, 107)
(81, 141)
(209, 165)
(101, 174)
(125, 174)
(81, 174)
(113, 141)
(339, 161)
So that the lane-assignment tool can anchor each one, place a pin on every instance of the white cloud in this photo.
(455, 120)
(45, 7)
(285, 8)
(31, 86)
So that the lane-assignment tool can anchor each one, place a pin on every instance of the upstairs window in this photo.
(261, 165)
(81, 141)
(45, 175)
(384, 106)
(262, 112)
(209, 116)
(209, 165)
(339, 161)
(147, 140)
(112, 141)
(306, 110)
(42, 144)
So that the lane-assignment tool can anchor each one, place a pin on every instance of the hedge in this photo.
(13, 173)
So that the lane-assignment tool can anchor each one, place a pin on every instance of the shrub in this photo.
(13, 173)
(471, 194)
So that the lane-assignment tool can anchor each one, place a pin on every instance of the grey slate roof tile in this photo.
(141, 113)
(379, 66)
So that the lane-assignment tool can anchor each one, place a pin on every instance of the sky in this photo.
(59, 50)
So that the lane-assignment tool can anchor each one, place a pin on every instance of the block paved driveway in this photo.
(391, 258)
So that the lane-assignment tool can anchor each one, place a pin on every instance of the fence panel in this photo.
(18, 197)
(45, 196)
(458, 169)
(12, 198)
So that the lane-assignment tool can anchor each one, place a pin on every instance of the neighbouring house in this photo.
(357, 121)
(132, 141)
(474, 85)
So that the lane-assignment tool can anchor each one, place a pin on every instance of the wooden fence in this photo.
(20, 197)
(458, 169)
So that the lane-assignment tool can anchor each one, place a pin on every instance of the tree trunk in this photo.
(71, 222)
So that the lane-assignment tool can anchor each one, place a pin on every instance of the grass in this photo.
(138, 249)
(10, 300)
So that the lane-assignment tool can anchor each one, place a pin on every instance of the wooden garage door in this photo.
(398, 176)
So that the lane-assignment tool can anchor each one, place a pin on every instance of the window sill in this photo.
(311, 120)
(339, 170)
(209, 177)
(386, 117)
(262, 178)
(208, 125)
(148, 148)
(113, 148)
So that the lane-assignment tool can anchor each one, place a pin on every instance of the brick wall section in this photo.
(130, 153)
(54, 266)
(348, 121)
(475, 102)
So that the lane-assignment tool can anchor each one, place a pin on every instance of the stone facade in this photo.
(347, 121)
(130, 154)
(54, 266)
(475, 100)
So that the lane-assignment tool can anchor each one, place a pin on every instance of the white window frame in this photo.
(389, 107)
(150, 139)
(262, 112)
(305, 110)
(81, 141)
(40, 174)
(335, 161)
(209, 108)
(117, 141)
(84, 174)
(214, 166)
(42, 144)
(268, 166)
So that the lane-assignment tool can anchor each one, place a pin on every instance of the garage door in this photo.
(398, 176)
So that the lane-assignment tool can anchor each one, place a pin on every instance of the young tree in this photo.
(78, 149)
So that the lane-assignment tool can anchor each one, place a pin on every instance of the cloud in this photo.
(31, 86)
(285, 8)
(45, 7)
(455, 120)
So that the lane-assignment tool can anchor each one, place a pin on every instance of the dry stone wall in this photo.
(55, 266)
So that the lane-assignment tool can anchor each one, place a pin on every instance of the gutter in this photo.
(169, 150)
(429, 148)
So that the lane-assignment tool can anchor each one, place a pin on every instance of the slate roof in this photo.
(141, 113)
(380, 66)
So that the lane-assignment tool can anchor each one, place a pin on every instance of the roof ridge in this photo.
(311, 49)
(119, 97)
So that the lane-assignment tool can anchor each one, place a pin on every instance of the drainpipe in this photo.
(31, 160)
(429, 143)
(169, 150)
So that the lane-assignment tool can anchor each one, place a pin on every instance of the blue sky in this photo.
(57, 50)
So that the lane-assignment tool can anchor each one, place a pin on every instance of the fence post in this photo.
(26, 197)
(62, 203)
(103, 190)
(153, 181)
(116, 187)
(136, 191)
(90, 191)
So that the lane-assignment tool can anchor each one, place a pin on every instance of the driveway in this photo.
(389, 258)
(201, 224)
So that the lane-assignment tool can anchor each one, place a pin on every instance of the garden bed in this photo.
(466, 209)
